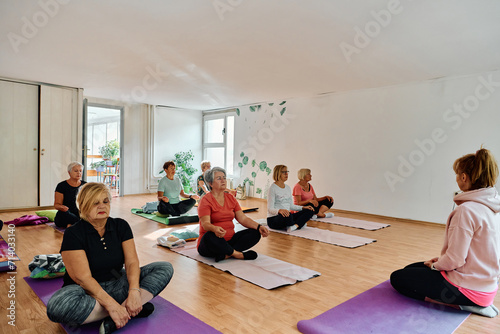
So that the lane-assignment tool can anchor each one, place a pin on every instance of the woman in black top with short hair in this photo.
(65, 196)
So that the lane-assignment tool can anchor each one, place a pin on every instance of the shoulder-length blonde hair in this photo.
(277, 172)
(89, 193)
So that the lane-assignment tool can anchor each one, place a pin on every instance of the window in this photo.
(218, 141)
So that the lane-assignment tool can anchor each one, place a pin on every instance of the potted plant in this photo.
(110, 151)
(99, 166)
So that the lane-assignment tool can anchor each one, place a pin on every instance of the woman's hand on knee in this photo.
(264, 231)
(219, 232)
(284, 213)
(133, 303)
(430, 262)
(119, 314)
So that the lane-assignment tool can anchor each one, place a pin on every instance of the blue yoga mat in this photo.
(167, 318)
(383, 310)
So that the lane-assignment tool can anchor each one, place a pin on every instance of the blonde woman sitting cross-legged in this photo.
(103, 280)
(303, 194)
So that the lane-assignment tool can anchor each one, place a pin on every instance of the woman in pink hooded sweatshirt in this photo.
(466, 274)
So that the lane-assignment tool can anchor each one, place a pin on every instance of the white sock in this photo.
(314, 217)
(489, 311)
(291, 228)
(329, 215)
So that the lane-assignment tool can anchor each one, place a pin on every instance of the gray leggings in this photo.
(72, 305)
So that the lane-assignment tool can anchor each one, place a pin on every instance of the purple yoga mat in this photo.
(383, 310)
(167, 318)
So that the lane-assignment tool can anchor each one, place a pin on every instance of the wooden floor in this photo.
(230, 304)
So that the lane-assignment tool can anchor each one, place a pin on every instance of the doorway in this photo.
(103, 138)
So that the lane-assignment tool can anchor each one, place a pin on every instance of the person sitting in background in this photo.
(97, 286)
(169, 190)
(65, 196)
(202, 187)
(466, 274)
(303, 194)
(217, 210)
(279, 204)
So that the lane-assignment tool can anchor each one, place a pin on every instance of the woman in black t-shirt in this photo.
(103, 280)
(65, 196)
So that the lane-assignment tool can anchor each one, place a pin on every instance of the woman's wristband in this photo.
(134, 289)
(258, 227)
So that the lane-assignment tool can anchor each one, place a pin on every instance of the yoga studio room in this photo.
(249, 167)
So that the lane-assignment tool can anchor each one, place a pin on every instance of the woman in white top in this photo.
(280, 202)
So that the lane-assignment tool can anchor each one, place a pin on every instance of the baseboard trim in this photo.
(370, 215)
(35, 208)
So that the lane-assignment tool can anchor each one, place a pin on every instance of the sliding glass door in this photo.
(103, 133)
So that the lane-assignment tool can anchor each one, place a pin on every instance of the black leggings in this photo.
(176, 209)
(63, 219)
(324, 202)
(418, 281)
(280, 222)
(213, 246)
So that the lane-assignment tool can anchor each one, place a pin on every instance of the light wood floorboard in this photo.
(232, 305)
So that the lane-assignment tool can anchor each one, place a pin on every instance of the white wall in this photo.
(386, 151)
(175, 130)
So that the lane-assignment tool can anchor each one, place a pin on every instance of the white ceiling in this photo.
(211, 54)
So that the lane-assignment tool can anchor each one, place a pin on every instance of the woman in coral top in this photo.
(466, 274)
(217, 210)
(303, 194)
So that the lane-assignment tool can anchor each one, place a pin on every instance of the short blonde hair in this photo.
(87, 196)
(277, 172)
(204, 164)
(301, 174)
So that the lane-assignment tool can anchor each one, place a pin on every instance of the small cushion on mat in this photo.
(51, 214)
(161, 215)
(43, 273)
(185, 234)
(170, 241)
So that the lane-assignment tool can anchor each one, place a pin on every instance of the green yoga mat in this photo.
(168, 220)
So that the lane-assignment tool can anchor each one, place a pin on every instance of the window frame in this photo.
(224, 144)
